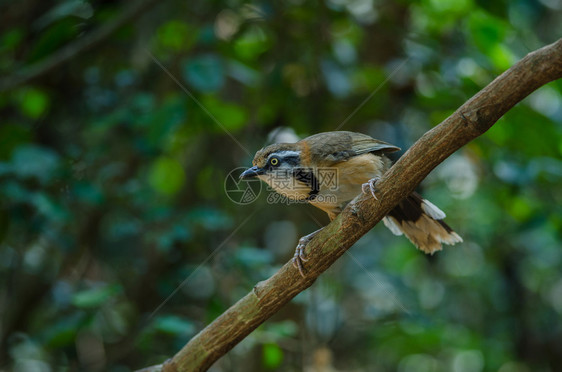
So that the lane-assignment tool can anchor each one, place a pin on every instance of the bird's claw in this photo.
(370, 186)
(300, 257)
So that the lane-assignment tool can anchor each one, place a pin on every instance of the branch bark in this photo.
(70, 51)
(471, 120)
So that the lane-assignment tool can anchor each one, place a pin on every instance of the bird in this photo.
(328, 170)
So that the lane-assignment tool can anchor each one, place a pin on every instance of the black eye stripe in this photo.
(292, 160)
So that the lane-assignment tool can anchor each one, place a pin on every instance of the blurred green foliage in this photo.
(119, 242)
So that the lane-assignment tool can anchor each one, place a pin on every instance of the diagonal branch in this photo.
(470, 121)
(73, 49)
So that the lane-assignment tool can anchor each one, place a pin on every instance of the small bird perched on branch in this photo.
(330, 169)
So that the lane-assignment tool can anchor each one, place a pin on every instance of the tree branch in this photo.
(70, 51)
(471, 120)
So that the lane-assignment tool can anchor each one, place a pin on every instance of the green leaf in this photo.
(272, 356)
(166, 176)
(95, 297)
(252, 43)
(286, 328)
(450, 6)
(253, 257)
(33, 102)
(35, 161)
(176, 35)
(63, 331)
(174, 325)
(486, 30)
(72, 8)
(501, 57)
(209, 218)
(48, 206)
(11, 39)
(229, 115)
(204, 73)
(88, 193)
(520, 208)
(177, 233)
(54, 37)
(336, 79)
(163, 121)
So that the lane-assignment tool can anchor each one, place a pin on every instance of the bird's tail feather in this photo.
(422, 223)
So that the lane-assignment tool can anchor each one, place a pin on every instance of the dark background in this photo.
(118, 241)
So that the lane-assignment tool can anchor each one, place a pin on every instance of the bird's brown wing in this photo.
(362, 144)
(334, 147)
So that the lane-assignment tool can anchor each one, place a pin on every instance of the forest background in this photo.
(122, 236)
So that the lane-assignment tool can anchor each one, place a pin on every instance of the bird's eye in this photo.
(274, 162)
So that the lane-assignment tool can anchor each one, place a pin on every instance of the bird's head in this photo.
(276, 158)
(279, 166)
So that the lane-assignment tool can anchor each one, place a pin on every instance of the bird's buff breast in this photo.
(351, 175)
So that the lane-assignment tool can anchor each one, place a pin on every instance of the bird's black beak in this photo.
(252, 172)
